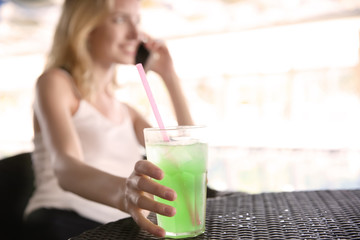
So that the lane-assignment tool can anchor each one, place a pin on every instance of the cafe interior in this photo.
(277, 83)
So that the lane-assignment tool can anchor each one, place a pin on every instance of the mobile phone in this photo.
(142, 54)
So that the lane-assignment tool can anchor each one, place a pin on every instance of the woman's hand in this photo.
(160, 60)
(139, 191)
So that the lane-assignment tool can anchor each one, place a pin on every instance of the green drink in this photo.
(183, 160)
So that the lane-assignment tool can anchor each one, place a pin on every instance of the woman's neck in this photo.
(103, 78)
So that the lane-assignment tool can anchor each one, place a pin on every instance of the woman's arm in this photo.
(55, 104)
(178, 99)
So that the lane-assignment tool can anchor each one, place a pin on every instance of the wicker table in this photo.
(290, 215)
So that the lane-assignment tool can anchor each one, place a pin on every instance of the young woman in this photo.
(86, 158)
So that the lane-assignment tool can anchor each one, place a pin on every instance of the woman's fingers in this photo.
(141, 187)
(147, 185)
(144, 167)
(147, 225)
(144, 202)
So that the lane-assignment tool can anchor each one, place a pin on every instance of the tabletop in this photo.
(325, 214)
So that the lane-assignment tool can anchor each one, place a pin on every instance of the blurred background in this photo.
(276, 81)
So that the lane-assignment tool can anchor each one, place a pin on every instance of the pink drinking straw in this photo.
(154, 107)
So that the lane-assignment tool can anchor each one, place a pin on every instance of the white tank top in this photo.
(107, 146)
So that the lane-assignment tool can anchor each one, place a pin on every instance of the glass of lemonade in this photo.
(181, 152)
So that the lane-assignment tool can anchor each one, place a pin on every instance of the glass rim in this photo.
(174, 128)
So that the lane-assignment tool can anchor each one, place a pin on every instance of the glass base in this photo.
(184, 234)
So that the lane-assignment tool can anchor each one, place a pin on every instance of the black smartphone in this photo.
(142, 54)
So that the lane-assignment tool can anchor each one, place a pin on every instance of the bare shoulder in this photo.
(54, 79)
(56, 84)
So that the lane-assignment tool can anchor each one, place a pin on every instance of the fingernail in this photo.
(160, 232)
(169, 195)
(169, 211)
(159, 174)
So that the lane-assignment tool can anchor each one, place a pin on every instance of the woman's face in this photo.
(116, 39)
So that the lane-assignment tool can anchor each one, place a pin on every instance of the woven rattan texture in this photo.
(291, 215)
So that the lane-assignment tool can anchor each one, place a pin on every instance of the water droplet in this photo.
(247, 218)
(286, 210)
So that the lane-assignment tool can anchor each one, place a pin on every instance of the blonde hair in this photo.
(70, 44)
